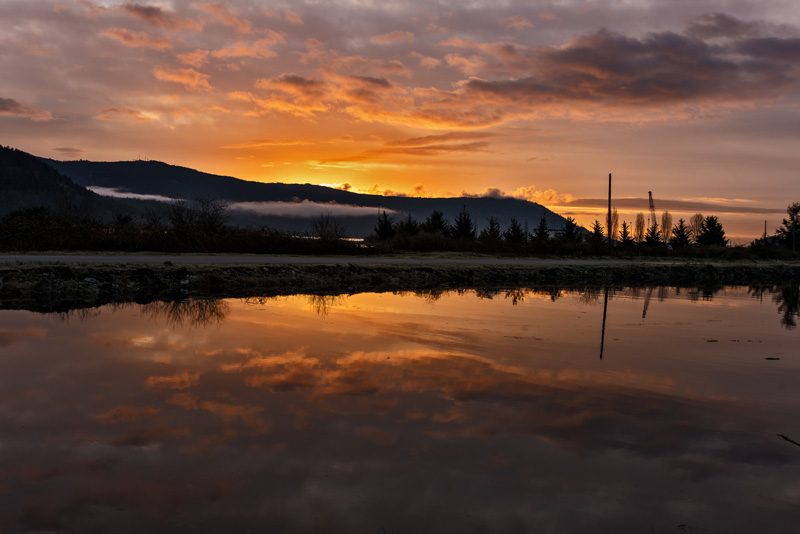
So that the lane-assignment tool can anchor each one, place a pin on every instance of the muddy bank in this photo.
(62, 287)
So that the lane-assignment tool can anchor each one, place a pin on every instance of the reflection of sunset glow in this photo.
(287, 408)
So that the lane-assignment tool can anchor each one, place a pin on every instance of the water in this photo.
(450, 412)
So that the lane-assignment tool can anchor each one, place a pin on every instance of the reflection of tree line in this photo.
(196, 312)
(786, 297)
(206, 312)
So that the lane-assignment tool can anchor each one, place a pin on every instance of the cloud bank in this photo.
(305, 208)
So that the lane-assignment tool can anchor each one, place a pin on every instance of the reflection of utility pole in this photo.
(647, 301)
(603, 334)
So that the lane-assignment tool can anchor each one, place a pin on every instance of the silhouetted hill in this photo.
(28, 182)
(152, 177)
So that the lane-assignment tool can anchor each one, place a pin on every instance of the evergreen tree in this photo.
(385, 228)
(407, 227)
(681, 236)
(570, 232)
(597, 237)
(787, 233)
(711, 233)
(515, 234)
(597, 231)
(463, 228)
(491, 234)
(653, 236)
(436, 223)
(542, 234)
(625, 238)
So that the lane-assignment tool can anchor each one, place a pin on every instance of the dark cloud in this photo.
(721, 25)
(771, 48)
(372, 81)
(70, 152)
(615, 70)
(152, 14)
(10, 337)
(157, 16)
(9, 106)
(295, 84)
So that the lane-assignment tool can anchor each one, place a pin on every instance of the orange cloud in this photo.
(427, 62)
(122, 115)
(263, 143)
(223, 15)
(545, 197)
(180, 381)
(137, 39)
(189, 78)
(395, 37)
(293, 17)
(196, 59)
(259, 49)
(516, 22)
(290, 93)
(434, 139)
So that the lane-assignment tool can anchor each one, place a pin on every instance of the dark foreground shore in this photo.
(62, 287)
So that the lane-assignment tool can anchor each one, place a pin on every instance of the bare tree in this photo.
(212, 214)
(666, 226)
(638, 229)
(695, 223)
(326, 226)
(612, 224)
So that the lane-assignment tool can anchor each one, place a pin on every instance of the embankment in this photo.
(62, 287)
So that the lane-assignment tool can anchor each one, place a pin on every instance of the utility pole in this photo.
(608, 217)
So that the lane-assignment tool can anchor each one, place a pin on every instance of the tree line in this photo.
(201, 225)
(701, 235)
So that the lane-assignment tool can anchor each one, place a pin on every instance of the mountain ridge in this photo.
(159, 178)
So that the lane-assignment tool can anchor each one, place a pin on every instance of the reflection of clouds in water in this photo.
(307, 437)
(11, 337)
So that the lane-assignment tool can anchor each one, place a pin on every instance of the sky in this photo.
(694, 100)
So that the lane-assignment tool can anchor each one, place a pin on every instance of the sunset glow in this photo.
(694, 101)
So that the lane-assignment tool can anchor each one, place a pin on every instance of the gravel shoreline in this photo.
(49, 288)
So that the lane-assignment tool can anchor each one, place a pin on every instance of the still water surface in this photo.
(446, 412)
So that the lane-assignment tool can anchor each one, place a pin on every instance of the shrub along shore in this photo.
(59, 288)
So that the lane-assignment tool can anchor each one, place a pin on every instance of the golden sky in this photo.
(696, 101)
